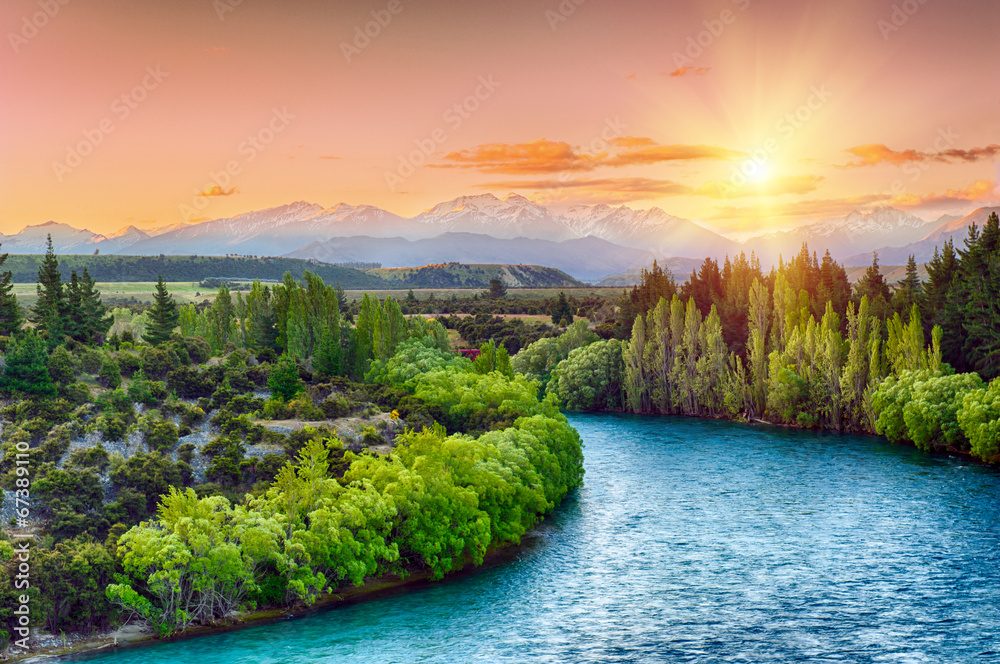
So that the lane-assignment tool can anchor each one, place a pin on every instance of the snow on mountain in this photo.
(121, 239)
(34, 239)
(858, 232)
(922, 250)
(510, 217)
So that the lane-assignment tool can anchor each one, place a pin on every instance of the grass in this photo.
(189, 291)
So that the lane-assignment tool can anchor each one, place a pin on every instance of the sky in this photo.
(743, 115)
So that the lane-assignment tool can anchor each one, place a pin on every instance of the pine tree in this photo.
(909, 290)
(26, 367)
(50, 308)
(10, 311)
(497, 290)
(562, 313)
(95, 315)
(873, 285)
(163, 315)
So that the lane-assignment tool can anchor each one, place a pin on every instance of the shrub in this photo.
(190, 383)
(284, 380)
(110, 374)
(160, 435)
(128, 363)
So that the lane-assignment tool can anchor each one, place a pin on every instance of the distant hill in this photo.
(458, 275)
(192, 268)
(680, 268)
(583, 258)
(239, 268)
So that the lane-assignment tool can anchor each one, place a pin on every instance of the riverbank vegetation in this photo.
(186, 463)
(800, 346)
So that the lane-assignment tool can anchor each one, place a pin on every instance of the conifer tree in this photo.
(10, 311)
(562, 313)
(26, 368)
(50, 308)
(163, 315)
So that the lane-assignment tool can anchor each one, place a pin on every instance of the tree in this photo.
(873, 285)
(284, 380)
(26, 368)
(908, 292)
(562, 313)
(497, 290)
(50, 308)
(163, 315)
(10, 311)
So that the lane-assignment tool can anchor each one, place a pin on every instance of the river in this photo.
(698, 541)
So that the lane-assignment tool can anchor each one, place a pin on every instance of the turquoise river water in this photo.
(698, 541)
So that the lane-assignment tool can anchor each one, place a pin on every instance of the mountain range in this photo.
(586, 241)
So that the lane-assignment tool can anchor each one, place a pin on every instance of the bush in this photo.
(128, 363)
(198, 349)
(112, 427)
(160, 435)
(335, 408)
(190, 383)
(110, 374)
(62, 368)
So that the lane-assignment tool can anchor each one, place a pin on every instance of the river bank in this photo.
(129, 637)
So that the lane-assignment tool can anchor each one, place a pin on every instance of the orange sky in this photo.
(119, 112)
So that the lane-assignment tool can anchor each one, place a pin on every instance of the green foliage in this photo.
(493, 358)
(537, 360)
(979, 419)
(26, 367)
(562, 313)
(110, 374)
(10, 310)
(163, 315)
(284, 380)
(591, 377)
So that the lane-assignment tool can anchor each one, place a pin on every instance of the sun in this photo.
(761, 172)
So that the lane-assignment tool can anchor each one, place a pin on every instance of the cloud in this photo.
(633, 76)
(543, 156)
(872, 154)
(776, 186)
(980, 191)
(596, 190)
(826, 207)
(684, 71)
(329, 157)
(216, 190)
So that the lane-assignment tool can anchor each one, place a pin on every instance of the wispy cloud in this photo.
(817, 208)
(872, 154)
(216, 190)
(329, 157)
(596, 190)
(776, 186)
(685, 71)
(980, 191)
(543, 156)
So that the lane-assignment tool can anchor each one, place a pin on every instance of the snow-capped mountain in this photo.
(922, 250)
(651, 229)
(273, 231)
(34, 239)
(119, 240)
(509, 217)
(858, 232)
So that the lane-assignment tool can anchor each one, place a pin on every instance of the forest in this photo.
(261, 452)
(915, 361)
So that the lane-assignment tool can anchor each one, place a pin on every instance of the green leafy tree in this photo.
(163, 315)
